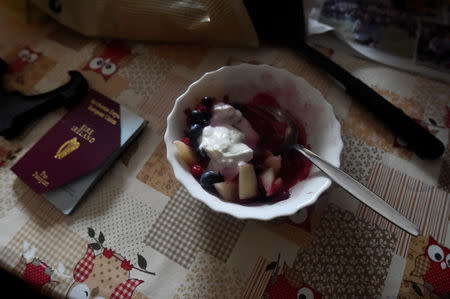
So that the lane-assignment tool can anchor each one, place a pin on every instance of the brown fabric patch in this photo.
(414, 108)
(289, 232)
(411, 197)
(186, 226)
(348, 256)
(158, 173)
(159, 105)
(145, 73)
(292, 276)
(296, 233)
(211, 278)
(357, 158)
(362, 125)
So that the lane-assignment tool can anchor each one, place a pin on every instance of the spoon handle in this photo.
(359, 191)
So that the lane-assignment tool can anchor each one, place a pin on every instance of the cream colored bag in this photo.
(222, 22)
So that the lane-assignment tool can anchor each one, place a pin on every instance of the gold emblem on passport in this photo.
(67, 148)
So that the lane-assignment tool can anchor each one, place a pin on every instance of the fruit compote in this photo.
(234, 150)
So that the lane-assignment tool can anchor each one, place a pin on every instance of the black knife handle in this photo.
(418, 139)
(18, 110)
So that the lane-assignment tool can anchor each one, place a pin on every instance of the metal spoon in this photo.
(348, 183)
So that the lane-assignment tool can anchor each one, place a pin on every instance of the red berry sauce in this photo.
(294, 166)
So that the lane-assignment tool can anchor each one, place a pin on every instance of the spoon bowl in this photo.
(348, 183)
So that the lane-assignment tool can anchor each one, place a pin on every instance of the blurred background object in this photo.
(218, 22)
(16, 7)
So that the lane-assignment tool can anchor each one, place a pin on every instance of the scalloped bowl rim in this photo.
(261, 212)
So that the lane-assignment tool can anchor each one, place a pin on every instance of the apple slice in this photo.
(276, 186)
(228, 190)
(186, 153)
(267, 178)
(273, 162)
(248, 185)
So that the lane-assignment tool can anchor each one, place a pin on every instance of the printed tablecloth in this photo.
(138, 220)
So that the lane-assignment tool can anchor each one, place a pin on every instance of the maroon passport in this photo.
(79, 143)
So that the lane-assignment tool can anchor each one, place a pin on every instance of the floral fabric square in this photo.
(348, 256)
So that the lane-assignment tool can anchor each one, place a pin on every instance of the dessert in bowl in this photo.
(225, 148)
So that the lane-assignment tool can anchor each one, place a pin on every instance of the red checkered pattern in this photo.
(84, 266)
(125, 289)
(197, 227)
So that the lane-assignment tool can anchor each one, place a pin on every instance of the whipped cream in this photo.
(223, 142)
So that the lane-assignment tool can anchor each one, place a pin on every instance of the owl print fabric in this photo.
(107, 63)
(152, 239)
(427, 271)
(24, 57)
(104, 273)
(286, 285)
(436, 267)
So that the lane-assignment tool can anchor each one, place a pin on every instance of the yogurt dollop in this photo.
(223, 142)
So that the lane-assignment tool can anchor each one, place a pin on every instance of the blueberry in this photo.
(198, 117)
(209, 178)
(193, 133)
(194, 143)
(207, 102)
(201, 153)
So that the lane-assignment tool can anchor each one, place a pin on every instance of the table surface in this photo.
(143, 220)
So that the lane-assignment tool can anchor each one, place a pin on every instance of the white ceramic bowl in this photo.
(295, 95)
